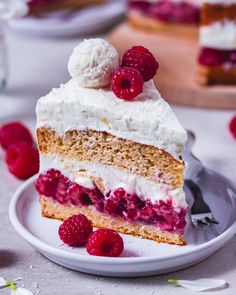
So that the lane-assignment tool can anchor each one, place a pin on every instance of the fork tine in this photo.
(203, 221)
(212, 220)
(201, 213)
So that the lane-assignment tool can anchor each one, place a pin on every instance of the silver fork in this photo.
(200, 211)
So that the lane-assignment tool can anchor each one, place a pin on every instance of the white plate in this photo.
(66, 23)
(141, 257)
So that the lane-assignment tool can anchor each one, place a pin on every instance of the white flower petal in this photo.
(200, 284)
(2, 282)
(21, 291)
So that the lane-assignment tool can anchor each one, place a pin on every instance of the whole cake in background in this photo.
(217, 57)
(170, 16)
(111, 147)
(43, 6)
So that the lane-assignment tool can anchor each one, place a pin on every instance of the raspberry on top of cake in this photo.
(111, 147)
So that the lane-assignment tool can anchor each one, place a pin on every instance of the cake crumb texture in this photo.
(101, 147)
(211, 13)
(216, 75)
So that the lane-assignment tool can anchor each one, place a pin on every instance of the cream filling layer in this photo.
(113, 178)
(147, 120)
(219, 35)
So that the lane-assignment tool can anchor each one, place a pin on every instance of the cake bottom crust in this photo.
(53, 209)
(216, 75)
(149, 24)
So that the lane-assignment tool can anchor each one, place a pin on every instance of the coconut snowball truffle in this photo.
(93, 62)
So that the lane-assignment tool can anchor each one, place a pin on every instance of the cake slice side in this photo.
(117, 161)
(217, 40)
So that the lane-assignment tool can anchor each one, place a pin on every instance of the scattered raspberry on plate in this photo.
(14, 132)
(105, 242)
(22, 160)
(75, 230)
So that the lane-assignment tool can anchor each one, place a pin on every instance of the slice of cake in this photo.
(112, 155)
(169, 16)
(42, 6)
(217, 57)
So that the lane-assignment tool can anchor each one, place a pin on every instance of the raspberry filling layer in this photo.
(42, 3)
(116, 203)
(34, 4)
(168, 11)
(214, 57)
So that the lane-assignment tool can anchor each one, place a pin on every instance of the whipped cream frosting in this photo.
(93, 62)
(147, 120)
(113, 178)
(220, 35)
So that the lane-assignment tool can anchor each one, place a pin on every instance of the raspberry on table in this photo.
(232, 126)
(127, 83)
(14, 132)
(75, 230)
(140, 58)
(105, 242)
(22, 160)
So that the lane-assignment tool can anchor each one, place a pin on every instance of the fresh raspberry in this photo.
(127, 83)
(75, 230)
(54, 184)
(14, 132)
(62, 189)
(22, 160)
(105, 242)
(232, 126)
(140, 58)
(119, 202)
(140, 48)
(46, 184)
(78, 196)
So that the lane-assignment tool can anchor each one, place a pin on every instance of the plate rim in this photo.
(37, 243)
(47, 30)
